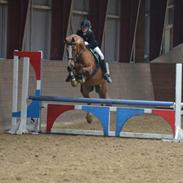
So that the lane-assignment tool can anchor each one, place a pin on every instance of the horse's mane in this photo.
(76, 40)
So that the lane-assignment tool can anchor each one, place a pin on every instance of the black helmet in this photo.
(85, 24)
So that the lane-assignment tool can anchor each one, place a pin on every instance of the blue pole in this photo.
(102, 101)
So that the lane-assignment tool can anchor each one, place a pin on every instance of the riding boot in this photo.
(105, 68)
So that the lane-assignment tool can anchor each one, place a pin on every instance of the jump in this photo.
(84, 69)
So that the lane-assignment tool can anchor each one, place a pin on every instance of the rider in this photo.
(87, 34)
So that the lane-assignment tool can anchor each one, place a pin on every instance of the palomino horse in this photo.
(81, 62)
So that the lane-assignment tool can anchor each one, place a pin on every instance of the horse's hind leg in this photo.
(102, 90)
(85, 92)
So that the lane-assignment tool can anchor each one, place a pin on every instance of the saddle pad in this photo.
(96, 56)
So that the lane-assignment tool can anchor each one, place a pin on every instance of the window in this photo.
(110, 45)
(167, 40)
(38, 28)
(79, 10)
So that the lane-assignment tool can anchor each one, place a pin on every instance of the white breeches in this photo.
(97, 49)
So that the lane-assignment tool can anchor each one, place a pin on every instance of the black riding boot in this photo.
(105, 69)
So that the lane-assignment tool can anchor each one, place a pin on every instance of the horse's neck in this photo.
(80, 52)
(88, 58)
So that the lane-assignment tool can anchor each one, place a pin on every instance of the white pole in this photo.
(178, 130)
(25, 87)
(132, 54)
(38, 87)
(15, 93)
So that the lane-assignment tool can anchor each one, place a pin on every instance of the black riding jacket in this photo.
(88, 37)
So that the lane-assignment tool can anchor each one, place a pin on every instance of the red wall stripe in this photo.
(17, 11)
(127, 26)
(60, 20)
(178, 22)
(97, 15)
(157, 8)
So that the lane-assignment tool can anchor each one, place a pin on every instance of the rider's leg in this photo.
(104, 65)
(105, 68)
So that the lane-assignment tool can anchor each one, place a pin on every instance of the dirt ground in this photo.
(77, 159)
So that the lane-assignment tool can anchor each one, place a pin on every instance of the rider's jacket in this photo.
(88, 37)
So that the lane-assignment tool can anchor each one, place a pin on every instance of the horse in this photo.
(84, 69)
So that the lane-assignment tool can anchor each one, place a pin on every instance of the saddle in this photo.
(96, 56)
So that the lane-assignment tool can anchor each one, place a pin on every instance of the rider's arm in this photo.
(91, 40)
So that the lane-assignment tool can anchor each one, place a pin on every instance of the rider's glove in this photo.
(86, 43)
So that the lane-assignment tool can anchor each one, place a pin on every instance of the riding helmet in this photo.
(86, 24)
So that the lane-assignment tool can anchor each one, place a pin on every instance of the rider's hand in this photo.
(86, 43)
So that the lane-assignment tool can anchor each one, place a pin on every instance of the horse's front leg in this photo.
(71, 76)
(82, 69)
(85, 92)
(87, 70)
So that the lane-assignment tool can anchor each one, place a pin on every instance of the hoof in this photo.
(89, 118)
(74, 83)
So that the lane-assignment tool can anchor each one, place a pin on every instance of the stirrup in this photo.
(107, 78)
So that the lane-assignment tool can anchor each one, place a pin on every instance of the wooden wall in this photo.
(130, 81)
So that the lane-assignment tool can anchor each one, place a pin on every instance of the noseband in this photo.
(71, 57)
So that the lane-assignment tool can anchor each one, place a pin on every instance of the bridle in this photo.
(73, 58)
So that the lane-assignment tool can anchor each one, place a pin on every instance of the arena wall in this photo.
(130, 81)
